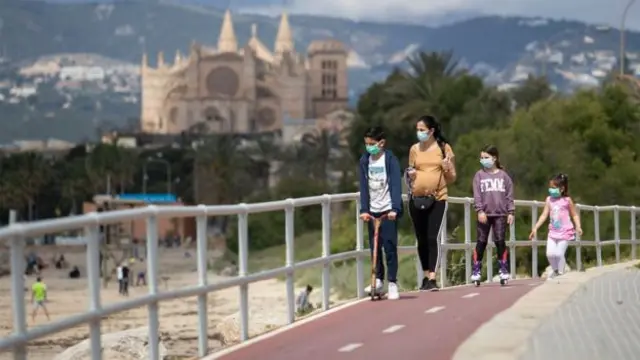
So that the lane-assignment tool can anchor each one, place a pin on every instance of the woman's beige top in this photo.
(430, 178)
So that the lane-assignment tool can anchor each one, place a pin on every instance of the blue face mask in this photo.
(373, 149)
(554, 192)
(422, 136)
(487, 163)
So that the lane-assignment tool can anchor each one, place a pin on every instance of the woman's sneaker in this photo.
(429, 285)
(393, 292)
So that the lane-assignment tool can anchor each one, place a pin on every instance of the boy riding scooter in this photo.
(381, 196)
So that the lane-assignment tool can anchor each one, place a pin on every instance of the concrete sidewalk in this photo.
(552, 320)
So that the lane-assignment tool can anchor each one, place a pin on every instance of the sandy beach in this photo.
(178, 318)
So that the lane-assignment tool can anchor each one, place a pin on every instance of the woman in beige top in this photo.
(431, 168)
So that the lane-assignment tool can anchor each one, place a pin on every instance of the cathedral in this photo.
(243, 90)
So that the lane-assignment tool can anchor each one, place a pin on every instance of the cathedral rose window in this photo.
(223, 81)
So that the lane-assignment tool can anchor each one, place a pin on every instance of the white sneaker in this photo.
(379, 286)
(393, 292)
(475, 277)
(505, 276)
(552, 275)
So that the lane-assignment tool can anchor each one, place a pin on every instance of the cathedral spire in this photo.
(227, 41)
(178, 57)
(284, 39)
(160, 59)
(145, 61)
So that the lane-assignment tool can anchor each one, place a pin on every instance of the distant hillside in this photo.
(123, 29)
(501, 49)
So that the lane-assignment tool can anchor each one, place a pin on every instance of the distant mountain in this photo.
(501, 49)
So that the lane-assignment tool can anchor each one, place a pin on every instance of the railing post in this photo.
(467, 240)
(152, 273)
(634, 246)
(534, 246)
(359, 248)
(289, 238)
(326, 251)
(578, 244)
(93, 275)
(17, 288)
(512, 249)
(443, 250)
(616, 231)
(243, 258)
(596, 226)
(202, 244)
(488, 256)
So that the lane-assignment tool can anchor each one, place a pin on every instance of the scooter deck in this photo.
(377, 296)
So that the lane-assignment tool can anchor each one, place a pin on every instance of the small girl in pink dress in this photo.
(560, 210)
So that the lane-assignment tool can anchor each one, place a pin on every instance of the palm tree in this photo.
(424, 86)
(108, 163)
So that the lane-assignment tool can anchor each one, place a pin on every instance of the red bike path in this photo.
(419, 325)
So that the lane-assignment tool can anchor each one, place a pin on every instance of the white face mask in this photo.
(422, 135)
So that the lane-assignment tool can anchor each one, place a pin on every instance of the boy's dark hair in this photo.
(376, 133)
(38, 279)
(309, 288)
(493, 151)
(562, 181)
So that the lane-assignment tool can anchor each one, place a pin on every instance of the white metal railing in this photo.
(17, 233)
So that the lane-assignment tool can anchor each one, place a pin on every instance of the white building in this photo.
(23, 91)
(82, 73)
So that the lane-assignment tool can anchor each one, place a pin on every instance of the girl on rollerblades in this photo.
(560, 209)
(493, 201)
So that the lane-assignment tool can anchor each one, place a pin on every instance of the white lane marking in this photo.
(534, 284)
(350, 347)
(469, 296)
(505, 287)
(392, 329)
(434, 309)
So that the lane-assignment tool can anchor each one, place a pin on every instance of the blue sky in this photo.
(592, 11)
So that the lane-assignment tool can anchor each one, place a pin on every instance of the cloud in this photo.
(591, 11)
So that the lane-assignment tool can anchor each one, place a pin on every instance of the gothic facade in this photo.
(243, 90)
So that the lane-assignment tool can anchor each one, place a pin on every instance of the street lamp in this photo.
(622, 35)
(145, 177)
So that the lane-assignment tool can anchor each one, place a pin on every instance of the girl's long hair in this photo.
(493, 151)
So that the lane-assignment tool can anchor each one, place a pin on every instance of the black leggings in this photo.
(499, 226)
(426, 224)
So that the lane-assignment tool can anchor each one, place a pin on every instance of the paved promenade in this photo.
(581, 315)
(418, 326)
(600, 321)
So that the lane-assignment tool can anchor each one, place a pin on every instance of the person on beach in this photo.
(38, 298)
(431, 169)
(495, 206)
(303, 305)
(381, 194)
(561, 211)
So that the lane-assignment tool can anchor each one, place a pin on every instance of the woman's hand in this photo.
(446, 164)
(532, 234)
(412, 173)
(510, 219)
(482, 217)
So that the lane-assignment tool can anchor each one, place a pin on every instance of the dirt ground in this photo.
(178, 318)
